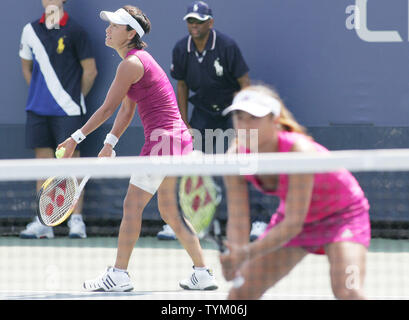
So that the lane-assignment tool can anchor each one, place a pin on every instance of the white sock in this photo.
(200, 268)
(118, 270)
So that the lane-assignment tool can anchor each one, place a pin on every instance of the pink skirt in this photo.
(341, 226)
(166, 143)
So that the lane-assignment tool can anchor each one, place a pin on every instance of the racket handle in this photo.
(83, 182)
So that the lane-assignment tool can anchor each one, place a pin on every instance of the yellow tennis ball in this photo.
(60, 153)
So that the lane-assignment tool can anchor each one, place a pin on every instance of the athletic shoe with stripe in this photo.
(77, 227)
(111, 280)
(201, 279)
(36, 230)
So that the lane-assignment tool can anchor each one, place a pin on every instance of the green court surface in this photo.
(55, 269)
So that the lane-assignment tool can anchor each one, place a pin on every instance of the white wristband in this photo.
(78, 136)
(111, 139)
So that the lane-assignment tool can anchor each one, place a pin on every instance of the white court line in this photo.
(148, 295)
(134, 295)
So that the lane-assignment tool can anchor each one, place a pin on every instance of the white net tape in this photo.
(267, 163)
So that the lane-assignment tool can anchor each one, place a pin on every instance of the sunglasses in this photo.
(195, 21)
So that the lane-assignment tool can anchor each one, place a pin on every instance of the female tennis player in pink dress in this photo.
(323, 213)
(140, 83)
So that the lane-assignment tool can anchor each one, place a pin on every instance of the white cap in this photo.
(256, 103)
(122, 17)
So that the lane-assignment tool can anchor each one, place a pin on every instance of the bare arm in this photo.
(244, 81)
(238, 223)
(238, 208)
(88, 75)
(124, 117)
(238, 218)
(297, 204)
(129, 71)
(27, 68)
(122, 121)
(182, 97)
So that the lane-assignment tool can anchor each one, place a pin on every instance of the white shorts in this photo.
(147, 182)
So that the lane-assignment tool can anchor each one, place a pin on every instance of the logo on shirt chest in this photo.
(218, 67)
(61, 45)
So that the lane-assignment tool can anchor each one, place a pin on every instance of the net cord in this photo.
(212, 165)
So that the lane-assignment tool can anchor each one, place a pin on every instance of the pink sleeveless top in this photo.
(158, 109)
(333, 192)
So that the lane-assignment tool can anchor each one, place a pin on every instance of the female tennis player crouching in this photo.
(140, 80)
(318, 213)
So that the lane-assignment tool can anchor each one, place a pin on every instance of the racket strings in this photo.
(199, 197)
(57, 199)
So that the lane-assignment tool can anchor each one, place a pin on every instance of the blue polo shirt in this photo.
(212, 75)
(55, 88)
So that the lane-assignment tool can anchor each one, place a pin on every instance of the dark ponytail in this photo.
(144, 22)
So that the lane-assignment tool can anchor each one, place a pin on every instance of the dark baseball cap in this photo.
(199, 10)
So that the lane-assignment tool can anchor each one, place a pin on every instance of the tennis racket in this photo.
(199, 197)
(58, 198)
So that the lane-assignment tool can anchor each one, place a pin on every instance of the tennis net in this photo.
(57, 267)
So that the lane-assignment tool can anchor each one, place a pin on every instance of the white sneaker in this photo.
(257, 229)
(36, 230)
(77, 227)
(166, 233)
(110, 281)
(202, 279)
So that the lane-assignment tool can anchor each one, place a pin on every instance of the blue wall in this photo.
(348, 92)
(326, 74)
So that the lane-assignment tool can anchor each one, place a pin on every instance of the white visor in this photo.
(122, 17)
(256, 103)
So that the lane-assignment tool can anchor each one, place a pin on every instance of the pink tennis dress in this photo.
(339, 210)
(165, 131)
